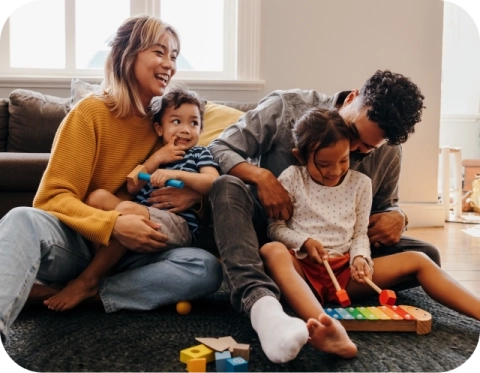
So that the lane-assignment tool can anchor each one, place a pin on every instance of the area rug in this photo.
(88, 340)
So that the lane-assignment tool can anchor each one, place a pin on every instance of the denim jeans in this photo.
(36, 245)
(240, 228)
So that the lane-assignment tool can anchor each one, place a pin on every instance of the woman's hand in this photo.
(360, 269)
(139, 234)
(174, 199)
(315, 250)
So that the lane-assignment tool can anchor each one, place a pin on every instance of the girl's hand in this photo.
(359, 269)
(160, 177)
(315, 250)
(170, 152)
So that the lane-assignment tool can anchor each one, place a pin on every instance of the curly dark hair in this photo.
(394, 102)
(175, 98)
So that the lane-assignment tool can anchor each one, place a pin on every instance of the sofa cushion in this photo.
(80, 89)
(3, 124)
(217, 117)
(34, 119)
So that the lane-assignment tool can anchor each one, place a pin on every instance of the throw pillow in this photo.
(217, 117)
(3, 124)
(34, 119)
(80, 89)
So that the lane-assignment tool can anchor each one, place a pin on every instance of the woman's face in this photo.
(155, 67)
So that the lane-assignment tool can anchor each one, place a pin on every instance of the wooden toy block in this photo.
(386, 297)
(384, 319)
(197, 365)
(197, 352)
(221, 360)
(241, 350)
(216, 344)
(236, 364)
(341, 294)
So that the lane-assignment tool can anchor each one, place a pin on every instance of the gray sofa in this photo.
(28, 123)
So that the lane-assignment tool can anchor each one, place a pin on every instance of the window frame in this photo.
(244, 62)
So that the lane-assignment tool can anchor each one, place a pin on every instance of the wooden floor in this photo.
(459, 248)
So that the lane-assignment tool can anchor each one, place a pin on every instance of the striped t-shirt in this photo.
(195, 158)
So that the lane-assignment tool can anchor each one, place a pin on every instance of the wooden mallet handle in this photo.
(386, 297)
(332, 275)
(370, 282)
(341, 294)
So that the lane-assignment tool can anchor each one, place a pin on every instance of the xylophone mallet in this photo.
(386, 297)
(140, 173)
(341, 294)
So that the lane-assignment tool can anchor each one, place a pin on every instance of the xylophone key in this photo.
(391, 313)
(379, 313)
(333, 313)
(369, 315)
(357, 315)
(344, 314)
(403, 314)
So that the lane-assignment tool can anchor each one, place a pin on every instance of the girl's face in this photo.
(329, 165)
(184, 123)
(155, 67)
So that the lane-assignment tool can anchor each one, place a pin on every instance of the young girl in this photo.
(179, 123)
(330, 222)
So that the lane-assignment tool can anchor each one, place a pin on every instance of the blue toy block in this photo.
(221, 360)
(237, 364)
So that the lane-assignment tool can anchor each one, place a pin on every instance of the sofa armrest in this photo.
(22, 171)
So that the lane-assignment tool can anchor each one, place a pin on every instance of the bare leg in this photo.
(103, 200)
(441, 287)
(326, 334)
(85, 286)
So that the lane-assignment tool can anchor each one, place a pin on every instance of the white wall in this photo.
(336, 45)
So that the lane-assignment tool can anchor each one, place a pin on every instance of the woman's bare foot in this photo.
(328, 335)
(74, 293)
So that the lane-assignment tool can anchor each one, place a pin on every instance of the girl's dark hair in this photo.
(319, 128)
(177, 97)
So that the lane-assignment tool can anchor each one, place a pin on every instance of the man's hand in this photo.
(274, 198)
(174, 199)
(386, 228)
(139, 234)
(316, 251)
(360, 269)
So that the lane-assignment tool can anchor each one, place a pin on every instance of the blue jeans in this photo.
(36, 245)
(240, 228)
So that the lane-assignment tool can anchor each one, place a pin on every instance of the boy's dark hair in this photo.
(175, 98)
(394, 102)
(319, 128)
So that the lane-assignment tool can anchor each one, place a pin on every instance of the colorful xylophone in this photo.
(383, 319)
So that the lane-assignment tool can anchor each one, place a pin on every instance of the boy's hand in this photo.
(315, 250)
(171, 152)
(160, 177)
(360, 269)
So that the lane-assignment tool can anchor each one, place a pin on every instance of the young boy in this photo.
(179, 123)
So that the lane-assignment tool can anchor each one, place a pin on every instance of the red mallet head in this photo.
(343, 298)
(387, 297)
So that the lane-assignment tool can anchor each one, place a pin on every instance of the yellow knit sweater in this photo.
(92, 149)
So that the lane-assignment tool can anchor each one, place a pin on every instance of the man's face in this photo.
(370, 136)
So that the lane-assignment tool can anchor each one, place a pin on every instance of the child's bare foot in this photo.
(39, 293)
(328, 335)
(75, 292)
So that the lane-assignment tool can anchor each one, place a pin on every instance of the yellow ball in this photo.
(184, 307)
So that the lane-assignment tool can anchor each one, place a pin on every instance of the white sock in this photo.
(281, 336)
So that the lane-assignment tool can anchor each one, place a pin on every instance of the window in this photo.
(60, 39)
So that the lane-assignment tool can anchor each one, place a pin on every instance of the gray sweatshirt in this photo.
(263, 136)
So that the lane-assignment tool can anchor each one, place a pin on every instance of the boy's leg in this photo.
(441, 287)
(251, 290)
(326, 334)
(34, 244)
(103, 200)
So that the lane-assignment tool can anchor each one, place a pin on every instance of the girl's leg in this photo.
(326, 334)
(441, 287)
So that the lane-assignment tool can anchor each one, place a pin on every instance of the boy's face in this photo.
(184, 123)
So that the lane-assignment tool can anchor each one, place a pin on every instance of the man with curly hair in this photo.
(256, 150)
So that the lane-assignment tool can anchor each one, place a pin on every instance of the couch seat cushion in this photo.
(34, 119)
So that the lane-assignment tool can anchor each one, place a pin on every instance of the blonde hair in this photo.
(135, 35)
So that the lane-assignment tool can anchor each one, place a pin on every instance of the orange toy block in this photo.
(197, 352)
(132, 177)
(197, 365)
(386, 297)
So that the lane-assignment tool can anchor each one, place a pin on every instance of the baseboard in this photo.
(424, 215)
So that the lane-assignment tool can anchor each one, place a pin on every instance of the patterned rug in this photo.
(88, 340)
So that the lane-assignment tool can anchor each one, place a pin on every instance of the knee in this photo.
(434, 254)
(97, 197)
(212, 272)
(225, 184)
(273, 251)
(22, 216)
(128, 207)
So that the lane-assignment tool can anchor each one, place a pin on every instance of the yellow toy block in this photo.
(197, 352)
(197, 365)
